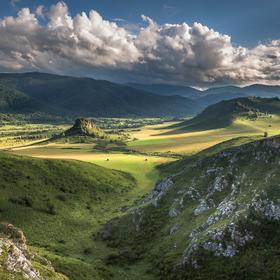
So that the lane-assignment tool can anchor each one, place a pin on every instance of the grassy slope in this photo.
(60, 206)
(149, 227)
(141, 167)
(223, 114)
(161, 138)
(9, 244)
(173, 167)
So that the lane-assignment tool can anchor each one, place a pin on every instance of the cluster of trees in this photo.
(33, 118)
(114, 124)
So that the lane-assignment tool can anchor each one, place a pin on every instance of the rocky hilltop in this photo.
(217, 218)
(84, 127)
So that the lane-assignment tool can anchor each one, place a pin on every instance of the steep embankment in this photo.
(218, 217)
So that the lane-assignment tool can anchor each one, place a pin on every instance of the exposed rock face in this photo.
(173, 212)
(159, 191)
(221, 233)
(266, 208)
(16, 259)
(202, 207)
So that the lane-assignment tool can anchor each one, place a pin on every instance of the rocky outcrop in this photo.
(17, 261)
(84, 127)
(159, 191)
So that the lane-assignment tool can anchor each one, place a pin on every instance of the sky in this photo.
(190, 42)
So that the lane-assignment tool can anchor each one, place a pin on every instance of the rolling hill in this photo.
(60, 206)
(72, 96)
(213, 217)
(224, 113)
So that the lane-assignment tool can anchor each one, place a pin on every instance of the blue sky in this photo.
(247, 21)
(197, 43)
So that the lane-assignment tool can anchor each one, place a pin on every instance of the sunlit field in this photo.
(12, 135)
(142, 167)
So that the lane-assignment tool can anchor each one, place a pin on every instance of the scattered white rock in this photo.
(202, 207)
(173, 212)
(174, 229)
(267, 208)
(161, 188)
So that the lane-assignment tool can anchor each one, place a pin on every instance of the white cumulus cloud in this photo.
(88, 44)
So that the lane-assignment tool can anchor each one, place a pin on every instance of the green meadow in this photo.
(141, 167)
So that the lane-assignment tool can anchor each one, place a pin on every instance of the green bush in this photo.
(51, 209)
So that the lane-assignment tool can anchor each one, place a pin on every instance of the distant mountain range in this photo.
(12, 100)
(75, 97)
(62, 95)
(211, 95)
(214, 95)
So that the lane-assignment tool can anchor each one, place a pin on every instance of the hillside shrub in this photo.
(23, 201)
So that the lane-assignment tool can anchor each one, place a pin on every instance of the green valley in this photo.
(126, 198)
